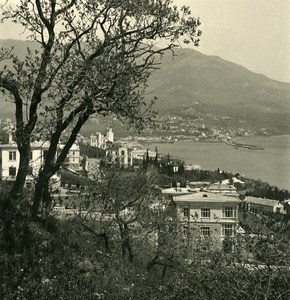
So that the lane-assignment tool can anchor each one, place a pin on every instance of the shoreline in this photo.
(211, 156)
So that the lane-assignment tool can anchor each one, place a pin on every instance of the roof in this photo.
(262, 201)
(177, 191)
(203, 197)
(199, 182)
(34, 145)
(221, 187)
(235, 180)
(74, 147)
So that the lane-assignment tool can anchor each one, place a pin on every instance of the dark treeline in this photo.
(92, 152)
(176, 173)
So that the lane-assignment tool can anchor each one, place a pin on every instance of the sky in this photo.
(252, 33)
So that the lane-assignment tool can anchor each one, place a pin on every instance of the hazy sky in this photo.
(253, 33)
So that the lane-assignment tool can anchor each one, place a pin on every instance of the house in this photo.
(97, 140)
(10, 158)
(73, 158)
(235, 181)
(101, 141)
(120, 155)
(10, 161)
(257, 205)
(208, 215)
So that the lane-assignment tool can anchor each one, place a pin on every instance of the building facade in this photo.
(101, 141)
(208, 215)
(73, 159)
(119, 155)
(260, 205)
(10, 158)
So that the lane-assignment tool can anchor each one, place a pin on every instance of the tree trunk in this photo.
(128, 243)
(41, 193)
(18, 186)
(125, 241)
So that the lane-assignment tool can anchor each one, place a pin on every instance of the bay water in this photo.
(271, 165)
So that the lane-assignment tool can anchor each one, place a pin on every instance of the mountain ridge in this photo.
(191, 83)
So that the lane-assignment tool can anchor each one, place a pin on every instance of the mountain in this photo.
(192, 85)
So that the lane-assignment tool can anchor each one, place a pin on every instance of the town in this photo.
(201, 128)
(210, 205)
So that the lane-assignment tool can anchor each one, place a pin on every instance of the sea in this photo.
(271, 165)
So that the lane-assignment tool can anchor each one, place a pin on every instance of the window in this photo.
(228, 230)
(205, 231)
(12, 171)
(229, 212)
(186, 212)
(12, 155)
(31, 155)
(205, 213)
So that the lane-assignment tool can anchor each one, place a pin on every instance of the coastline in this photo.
(270, 165)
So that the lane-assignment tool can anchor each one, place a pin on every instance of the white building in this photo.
(208, 214)
(10, 158)
(109, 136)
(73, 159)
(119, 155)
(260, 205)
(97, 140)
(100, 141)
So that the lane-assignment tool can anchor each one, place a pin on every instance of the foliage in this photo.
(93, 58)
(257, 188)
(62, 259)
(92, 152)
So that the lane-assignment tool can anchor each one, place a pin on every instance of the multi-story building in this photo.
(208, 215)
(73, 159)
(119, 155)
(101, 141)
(97, 140)
(10, 158)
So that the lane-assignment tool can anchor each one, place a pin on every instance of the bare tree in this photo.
(93, 57)
(126, 197)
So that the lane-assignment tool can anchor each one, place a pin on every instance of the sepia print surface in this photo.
(144, 149)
